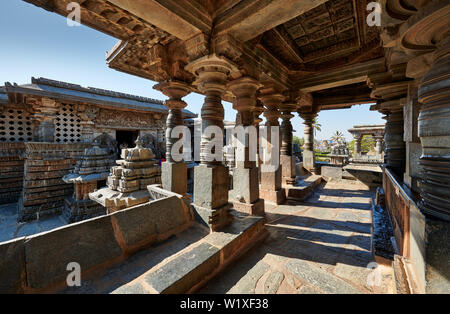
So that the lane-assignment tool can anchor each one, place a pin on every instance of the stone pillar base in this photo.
(245, 185)
(254, 209)
(174, 177)
(276, 197)
(211, 184)
(215, 219)
(308, 160)
(288, 169)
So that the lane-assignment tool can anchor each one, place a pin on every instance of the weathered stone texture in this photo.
(11, 171)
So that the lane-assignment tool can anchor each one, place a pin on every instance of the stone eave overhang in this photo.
(87, 97)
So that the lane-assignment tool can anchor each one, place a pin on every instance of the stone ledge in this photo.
(190, 269)
(38, 263)
(304, 189)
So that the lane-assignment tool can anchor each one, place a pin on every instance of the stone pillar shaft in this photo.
(211, 177)
(308, 147)
(245, 194)
(174, 171)
(287, 161)
(393, 137)
(271, 175)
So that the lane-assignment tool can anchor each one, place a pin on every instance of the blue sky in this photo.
(38, 43)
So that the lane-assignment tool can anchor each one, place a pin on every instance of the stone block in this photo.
(271, 180)
(332, 172)
(256, 208)
(174, 177)
(211, 186)
(90, 243)
(12, 266)
(275, 197)
(288, 167)
(144, 223)
(245, 185)
(180, 274)
(308, 160)
(215, 219)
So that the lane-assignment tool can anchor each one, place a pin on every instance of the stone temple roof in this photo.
(3, 96)
(73, 92)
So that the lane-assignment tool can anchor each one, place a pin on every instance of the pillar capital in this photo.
(244, 89)
(212, 73)
(175, 90)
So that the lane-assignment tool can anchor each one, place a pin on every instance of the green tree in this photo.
(337, 137)
(299, 141)
(367, 144)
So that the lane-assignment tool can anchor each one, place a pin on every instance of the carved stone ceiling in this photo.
(333, 33)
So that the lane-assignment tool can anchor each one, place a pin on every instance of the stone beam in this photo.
(342, 76)
(180, 18)
(251, 18)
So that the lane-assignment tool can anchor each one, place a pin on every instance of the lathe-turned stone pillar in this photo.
(174, 170)
(211, 180)
(287, 160)
(271, 190)
(245, 194)
(434, 132)
(308, 148)
(44, 117)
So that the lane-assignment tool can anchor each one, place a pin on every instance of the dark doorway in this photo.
(126, 139)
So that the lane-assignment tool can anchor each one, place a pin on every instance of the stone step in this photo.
(303, 188)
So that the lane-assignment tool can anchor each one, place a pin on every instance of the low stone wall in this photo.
(422, 241)
(44, 190)
(11, 171)
(39, 263)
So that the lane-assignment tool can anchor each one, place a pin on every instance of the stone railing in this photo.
(39, 263)
(11, 171)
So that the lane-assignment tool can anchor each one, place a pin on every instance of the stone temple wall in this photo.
(44, 190)
(11, 171)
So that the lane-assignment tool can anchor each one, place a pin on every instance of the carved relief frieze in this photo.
(126, 119)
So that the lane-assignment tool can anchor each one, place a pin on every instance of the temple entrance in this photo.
(126, 139)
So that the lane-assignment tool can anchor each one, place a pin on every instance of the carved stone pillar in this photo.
(174, 171)
(271, 190)
(245, 194)
(308, 147)
(211, 180)
(434, 132)
(286, 159)
(44, 117)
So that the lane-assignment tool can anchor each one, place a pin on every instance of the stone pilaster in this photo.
(44, 120)
(271, 190)
(211, 180)
(308, 147)
(245, 194)
(287, 161)
(434, 132)
(174, 171)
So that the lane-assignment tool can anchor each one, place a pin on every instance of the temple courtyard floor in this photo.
(319, 246)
